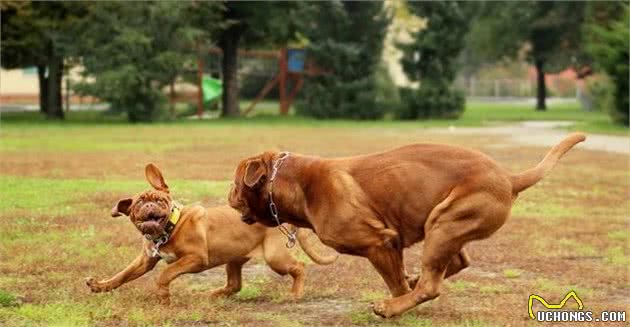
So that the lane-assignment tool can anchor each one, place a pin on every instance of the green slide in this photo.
(211, 88)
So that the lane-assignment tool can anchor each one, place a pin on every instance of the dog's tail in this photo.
(531, 176)
(302, 236)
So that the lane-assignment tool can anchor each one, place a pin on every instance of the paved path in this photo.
(544, 133)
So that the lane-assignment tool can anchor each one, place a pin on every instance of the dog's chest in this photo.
(166, 255)
(169, 257)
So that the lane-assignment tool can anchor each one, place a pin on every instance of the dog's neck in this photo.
(288, 190)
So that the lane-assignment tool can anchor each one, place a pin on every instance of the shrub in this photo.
(431, 59)
(609, 47)
(346, 42)
(430, 102)
(601, 92)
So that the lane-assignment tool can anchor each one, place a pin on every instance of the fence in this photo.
(500, 88)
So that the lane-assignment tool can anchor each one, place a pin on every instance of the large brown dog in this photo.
(376, 205)
(201, 238)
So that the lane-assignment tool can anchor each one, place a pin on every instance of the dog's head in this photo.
(150, 210)
(249, 193)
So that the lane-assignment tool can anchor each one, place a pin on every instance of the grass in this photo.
(512, 273)
(7, 299)
(59, 180)
(475, 114)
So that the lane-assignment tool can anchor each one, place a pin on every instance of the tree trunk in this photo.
(55, 74)
(541, 93)
(229, 65)
(43, 88)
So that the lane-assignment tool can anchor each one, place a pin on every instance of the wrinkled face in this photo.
(149, 211)
(247, 194)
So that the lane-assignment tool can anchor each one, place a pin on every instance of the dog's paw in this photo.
(95, 286)
(220, 292)
(381, 308)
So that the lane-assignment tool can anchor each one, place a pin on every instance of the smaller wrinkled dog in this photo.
(193, 239)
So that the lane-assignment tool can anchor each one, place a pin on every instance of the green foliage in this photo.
(546, 33)
(430, 102)
(609, 46)
(602, 93)
(41, 34)
(346, 39)
(134, 49)
(431, 59)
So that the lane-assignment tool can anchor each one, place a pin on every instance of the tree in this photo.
(134, 49)
(346, 41)
(39, 34)
(247, 24)
(608, 42)
(431, 60)
(548, 31)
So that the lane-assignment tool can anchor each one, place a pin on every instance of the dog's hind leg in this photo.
(458, 263)
(280, 260)
(473, 217)
(233, 270)
(438, 251)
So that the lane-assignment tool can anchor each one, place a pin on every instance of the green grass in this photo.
(7, 299)
(617, 256)
(476, 114)
(512, 273)
(24, 192)
(461, 285)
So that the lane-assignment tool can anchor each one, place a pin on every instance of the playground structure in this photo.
(285, 68)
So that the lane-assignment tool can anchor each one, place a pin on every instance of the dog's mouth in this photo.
(152, 224)
(154, 216)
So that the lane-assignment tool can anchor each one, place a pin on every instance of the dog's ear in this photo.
(255, 173)
(154, 177)
(122, 207)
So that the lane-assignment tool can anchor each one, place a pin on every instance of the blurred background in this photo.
(148, 61)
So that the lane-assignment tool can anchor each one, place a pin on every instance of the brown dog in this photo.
(376, 205)
(198, 239)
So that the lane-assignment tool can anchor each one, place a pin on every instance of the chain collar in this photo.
(272, 205)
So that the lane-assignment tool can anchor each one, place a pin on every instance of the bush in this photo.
(430, 102)
(601, 93)
(332, 98)
(432, 60)
(348, 85)
(609, 47)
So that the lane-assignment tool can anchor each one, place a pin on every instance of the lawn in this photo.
(58, 182)
(476, 114)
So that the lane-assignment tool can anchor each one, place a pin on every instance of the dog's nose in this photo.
(149, 205)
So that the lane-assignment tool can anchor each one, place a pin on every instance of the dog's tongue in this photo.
(151, 228)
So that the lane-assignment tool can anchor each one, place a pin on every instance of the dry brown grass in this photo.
(570, 232)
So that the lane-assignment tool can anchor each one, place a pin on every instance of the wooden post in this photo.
(199, 86)
(171, 96)
(67, 93)
(282, 82)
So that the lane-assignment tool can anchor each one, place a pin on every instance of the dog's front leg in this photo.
(138, 267)
(184, 265)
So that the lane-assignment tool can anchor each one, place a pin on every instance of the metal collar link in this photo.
(291, 238)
